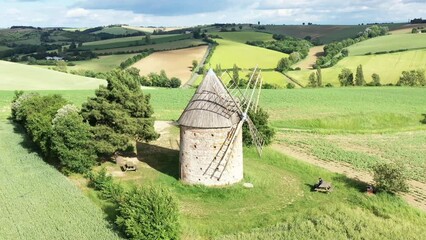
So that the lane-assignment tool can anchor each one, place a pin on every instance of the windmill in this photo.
(211, 130)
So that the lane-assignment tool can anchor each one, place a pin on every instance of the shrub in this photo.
(175, 82)
(260, 120)
(104, 183)
(390, 177)
(148, 213)
(290, 85)
(328, 85)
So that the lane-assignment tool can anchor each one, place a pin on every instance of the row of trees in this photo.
(107, 123)
(154, 79)
(285, 44)
(335, 51)
(346, 78)
(284, 64)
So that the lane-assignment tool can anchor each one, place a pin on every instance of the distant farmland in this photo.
(101, 64)
(176, 63)
(388, 43)
(245, 56)
(23, 77)
(243, 37)
(388, 66)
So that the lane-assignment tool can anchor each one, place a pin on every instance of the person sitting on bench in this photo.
(320, 181)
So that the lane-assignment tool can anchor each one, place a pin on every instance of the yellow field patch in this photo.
(176, 63)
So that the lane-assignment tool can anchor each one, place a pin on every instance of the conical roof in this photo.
(211, 106)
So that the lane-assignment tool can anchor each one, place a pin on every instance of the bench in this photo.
(324, 187)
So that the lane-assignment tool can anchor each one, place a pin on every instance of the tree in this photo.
(148, 39)
(290, 85)
(295, 57)
(218, 70)
(375, 80)
(346, 77)
(359, 77)
(72, 46)
(235, 74)
(414, 30)
(194, 64)
(312, 80)
(260, 120)
(149, 213)
(319, 76)
(412, 78)
(72, 141)
(240, 27)
(283, 64)
(390, 177)
(61, 66)
(345, 52)
(175, 82)
(119, 114)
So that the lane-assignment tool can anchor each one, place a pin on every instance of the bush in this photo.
(148, 213)
(290, 85)
(328, 85)
(175, 82)
(390, 177)
(260, 120)
(103, 183)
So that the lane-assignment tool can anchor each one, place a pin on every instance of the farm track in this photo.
(416, 197)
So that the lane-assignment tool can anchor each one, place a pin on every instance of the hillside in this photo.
(388, 43)
(24, 77)
(388, 66)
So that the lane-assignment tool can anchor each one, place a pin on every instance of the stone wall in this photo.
(198, 148)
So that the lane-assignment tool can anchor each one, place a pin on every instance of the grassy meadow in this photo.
(117, 31)
(388, 66)
(228, 53)
(25, 77)
(101, 64)
(388, 43)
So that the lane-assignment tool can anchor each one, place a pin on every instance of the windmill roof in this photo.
(211, 106)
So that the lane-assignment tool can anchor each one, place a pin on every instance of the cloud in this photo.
(77, 13)
(161, 7)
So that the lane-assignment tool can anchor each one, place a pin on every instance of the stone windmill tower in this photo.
(211, 151)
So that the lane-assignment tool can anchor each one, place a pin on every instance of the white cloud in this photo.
(77, 12)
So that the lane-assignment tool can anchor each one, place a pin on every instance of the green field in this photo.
(116, 31)
(228, 53)
(132, 41)
(15, 76)
(101, 64)
(388, 66)
(158, 47)
(388, 43)
(324, 33)
(243, 37)
(37, 201)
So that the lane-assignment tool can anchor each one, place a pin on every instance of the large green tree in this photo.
(359, 76)
(260, 120)
(72, 141)
(346, 77)
(119, 113)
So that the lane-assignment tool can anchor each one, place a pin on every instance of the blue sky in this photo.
(88, 13)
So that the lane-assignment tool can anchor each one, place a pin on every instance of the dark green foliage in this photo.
(315, 79)
(235, 74)
(312, 80)
(260, 120)
(283, 65)
(412, 78)
(119, 114)
(346, 77)
(104, 183)
(359, 77)
(390, 177)
(328, 85)
(72, 141)
(149, 213)
(290, 85)
(319, 76)
(35, 113)
(175, 82)
(375, 80)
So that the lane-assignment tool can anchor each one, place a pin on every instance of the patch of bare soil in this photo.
(416, 197)
(176, 63)
(310, 60)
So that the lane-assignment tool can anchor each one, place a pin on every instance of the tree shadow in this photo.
(424, 119)
(162, 159)
(311, 187)
(351, 183)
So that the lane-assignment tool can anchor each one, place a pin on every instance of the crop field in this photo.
(132, 41)
(243, 37)
(388, 66)
(24, 77)
(325, 33)
(310, 60)
(101, 64)
(37, 201)
(245, 56)
(176, 63)
(388, 43)
(158, 47)
(151, 29)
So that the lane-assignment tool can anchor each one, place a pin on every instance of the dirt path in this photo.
(310, 60)
(416, 197)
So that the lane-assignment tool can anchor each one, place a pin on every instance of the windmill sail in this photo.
(241, 101)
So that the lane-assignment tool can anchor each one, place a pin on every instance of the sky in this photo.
(91, 13)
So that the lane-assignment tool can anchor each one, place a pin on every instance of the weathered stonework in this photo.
(198, 147)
